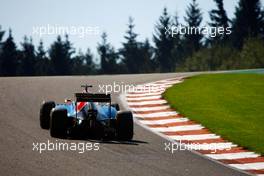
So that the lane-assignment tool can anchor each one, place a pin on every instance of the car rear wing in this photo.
(88, 97)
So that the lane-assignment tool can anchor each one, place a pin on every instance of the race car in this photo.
(90, 115)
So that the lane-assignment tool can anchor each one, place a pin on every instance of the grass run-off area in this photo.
(230, 105)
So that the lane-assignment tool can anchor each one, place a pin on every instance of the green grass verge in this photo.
(230, 105)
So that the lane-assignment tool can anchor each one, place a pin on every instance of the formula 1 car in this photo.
(91, 115)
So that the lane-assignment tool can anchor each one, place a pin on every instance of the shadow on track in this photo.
(107, 141)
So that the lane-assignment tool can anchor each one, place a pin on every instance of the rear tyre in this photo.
(58, 123)
(124, 125)
(44, 114)
(116, 106)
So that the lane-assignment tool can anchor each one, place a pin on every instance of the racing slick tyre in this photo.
(116, 106)
(44, 114)
(58, 123)
(124, 125)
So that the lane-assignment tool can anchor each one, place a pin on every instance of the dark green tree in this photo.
(89, 62)
(102, 50)
(69, 50)
(108, 57)
(8, 57)
(1, 47)
(193, 37)
(43, 64)
(248, 22)
(78, 64)
(146, 55)
(177, 50)
(27, 58)
(130, 51)
(1, 36)
(164, 43)
(60, 54)
(219, 19)
(83, 64)
(112, 59)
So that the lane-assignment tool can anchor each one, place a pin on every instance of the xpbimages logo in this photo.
(208, 31)
(181, 146)
(79, 31)
(80, 147)
(117, 87)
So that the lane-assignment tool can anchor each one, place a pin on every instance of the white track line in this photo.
(211, 146)
(167, 82)
(155, 108)
(156, 114)
(178, 128)
(164, 86)
(139, 90)
(233, 155)
(152, 86)
(249, 166)
(145, 98)
(194, 137)
(148, 90)
(144, 94)
(161, 122)
(172, 82)
(146, 103)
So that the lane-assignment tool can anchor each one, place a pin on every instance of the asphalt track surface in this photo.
(20, 99)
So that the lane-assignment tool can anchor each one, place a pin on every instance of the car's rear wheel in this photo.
(58, 123)
(124, 125)
(44, 114)
(116, 106)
